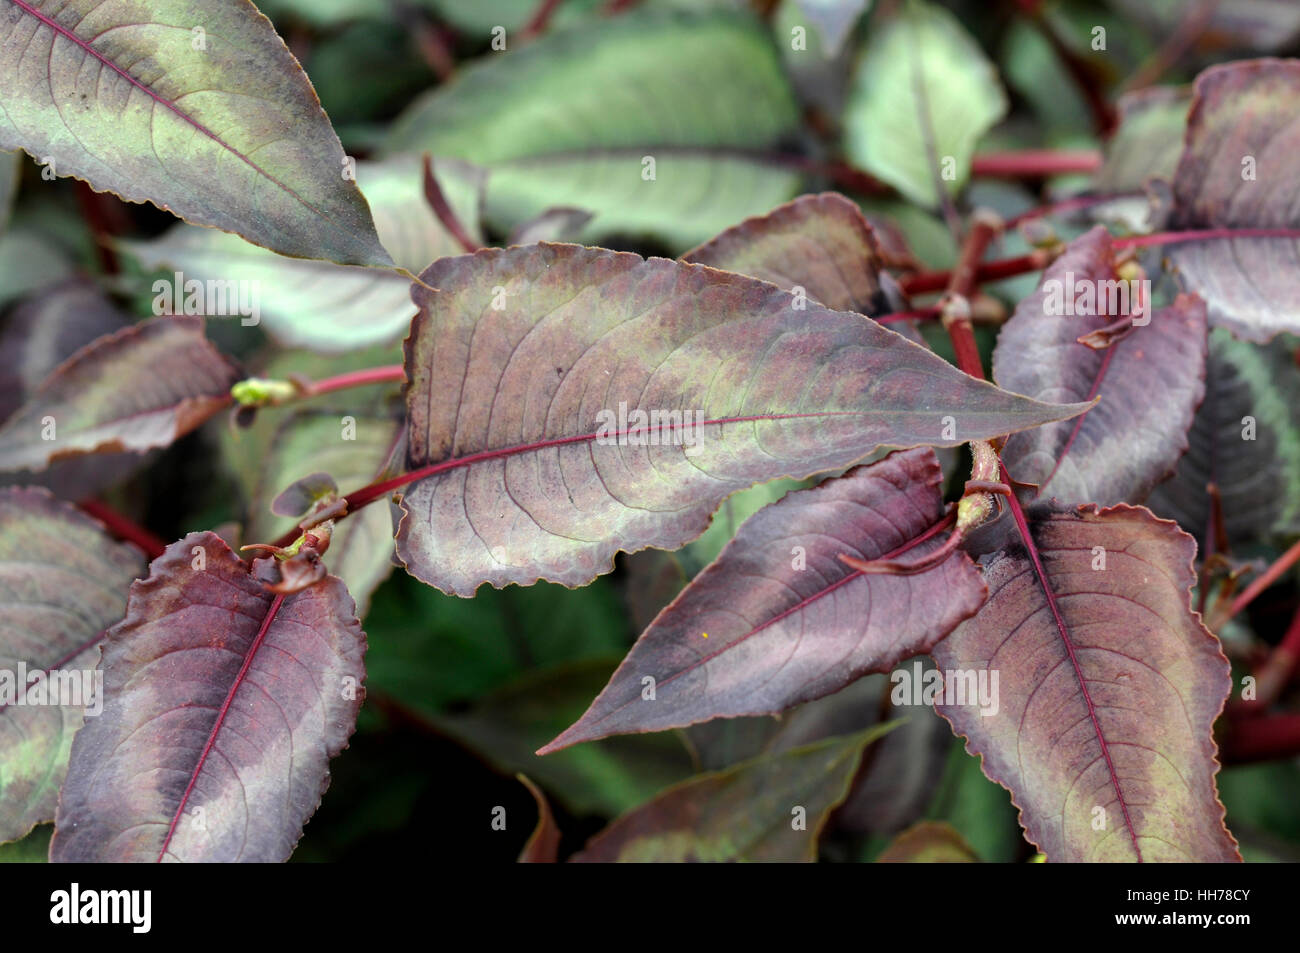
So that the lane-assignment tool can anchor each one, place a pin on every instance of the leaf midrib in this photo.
(1040, 572)
(217, 725)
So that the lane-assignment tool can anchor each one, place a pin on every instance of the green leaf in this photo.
(478, 18)
(196, 107)
(433, 651)
(1149, 138)
(320, 305)
(32, 849)
(771, 809)
(924, 93)
(571, 120)
(29, 261)
(605, 777)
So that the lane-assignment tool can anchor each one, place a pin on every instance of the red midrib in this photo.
(1078, 422)
(221, 718)
(797, 607)
(366, 494)
(162, 101)
(1032, 548)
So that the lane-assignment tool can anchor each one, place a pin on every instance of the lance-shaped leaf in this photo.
(779, 619)
(224, 705)
(930, 842)
(317, 304)
(635, 118)
(923, 96)
(1107, 689)
(1150, 382)
(352, 450)
(62, 582)
(1245, 440)
(532, 367)
(196, 107)
(771, 809)
(1240, 169)
(821, 244)
(134, 390)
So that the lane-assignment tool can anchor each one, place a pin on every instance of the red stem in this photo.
(368, 494)
(1202, 234)
(929, 281)
(105, 220)
(1035, 163)
(1266, 579)
(442, 208)
(123, 528)
(371, 375)
(961, 284)
(1072, 204)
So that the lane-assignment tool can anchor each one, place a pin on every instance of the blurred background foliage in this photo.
(739, 118)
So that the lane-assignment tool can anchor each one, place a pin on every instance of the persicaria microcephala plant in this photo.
(1034, 481)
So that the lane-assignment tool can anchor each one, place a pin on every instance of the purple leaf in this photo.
(1239, 169)
(1150, 381)
(46, 330)
(134, 390)
(1107, 689)
(532, 367)
(225, 703)
(779, 619)
(820, 243)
